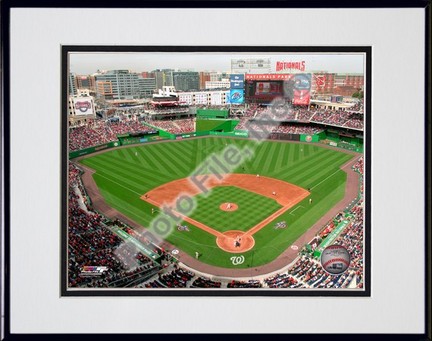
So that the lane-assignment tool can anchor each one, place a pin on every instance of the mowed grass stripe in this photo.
(151, 162)
(122, 152)
(271, 157)
(306, 150)
(130, 157)
(115, 182)
(116, 173)
(296, 152)
(130, 169)
(198, 151)
(188, 148)
(291, 154)
(130, 165)
(139, 158)
(285, 156)
(141, 215)
(280, 155)
(178, 159)
(303, 172)
(147, 174)
(293, 168)
(325, 169)
(260, 154)
(157, 154)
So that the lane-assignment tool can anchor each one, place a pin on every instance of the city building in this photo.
(146, 87)
(123, 84)
(331, 83)
(186, 80)
(222, 84)
(86, 82)
(72, 84)
(163, 78)
(204, 77)
(204, 98)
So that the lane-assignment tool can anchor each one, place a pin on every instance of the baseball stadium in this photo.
(242, 193)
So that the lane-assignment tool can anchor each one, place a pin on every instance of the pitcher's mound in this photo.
(228, 206)
(235, 241)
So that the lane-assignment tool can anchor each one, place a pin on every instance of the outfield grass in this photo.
(123, 177)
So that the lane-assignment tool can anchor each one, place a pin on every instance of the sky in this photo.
(88, 63)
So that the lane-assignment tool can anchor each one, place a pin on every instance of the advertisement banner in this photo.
(302, 86)
(236, 96)
(237, 81)
(269, 76)
(83, 106)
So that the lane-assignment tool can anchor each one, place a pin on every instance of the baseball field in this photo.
(293, 184)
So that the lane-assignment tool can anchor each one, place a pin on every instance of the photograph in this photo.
(214, 170)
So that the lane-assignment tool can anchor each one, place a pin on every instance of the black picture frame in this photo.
(6, 156)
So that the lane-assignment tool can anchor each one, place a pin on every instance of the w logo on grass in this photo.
(237, 260)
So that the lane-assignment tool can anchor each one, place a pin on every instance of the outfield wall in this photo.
(216, 125)
(90, 150)
(354, 144)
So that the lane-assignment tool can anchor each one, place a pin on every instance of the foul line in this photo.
(319, 183)
(296, 209)
(198, 224)
(131, 190)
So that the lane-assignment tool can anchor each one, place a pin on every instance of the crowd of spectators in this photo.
(357, 108)
(309, 273)
(304, 115)
(252, 283)
(177, 278)
(202, 282)
(296, 129)
(91, 243)
(338, 118)
(285, 128)
(100, 131)
(282, 281)
(355, 121)
(182, 126)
